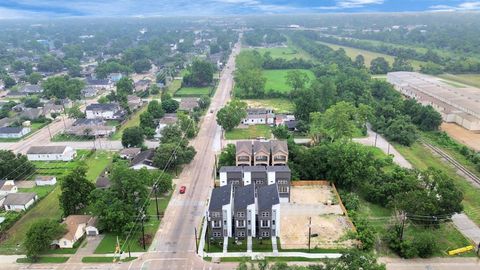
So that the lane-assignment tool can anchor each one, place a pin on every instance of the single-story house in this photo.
(280, 119)
(141, 85)
(13, 132)
(107, 111)
(76, 228)
(144, 160)
(99, 83)
(19, 201)
(51, 153)
(89, 91)
(32, 89)
(43, 180)
(129, 153)
(32, 113)
(188, 104)
(167, 119)
(291, 125)
(134, 102)
(7, 187)
(259, 116)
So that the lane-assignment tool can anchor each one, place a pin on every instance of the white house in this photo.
(45, 180)
(51, 153)
(107, 111)
(7, 187)
(167, 119)
(77, 226)
(13, 132)
(144, 160)
(259, 116)
(19, 201)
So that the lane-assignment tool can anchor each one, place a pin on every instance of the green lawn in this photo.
(240, 246)
(41, 191)
(44, 260)
(251, 132)
(286, 53)
(213, 246)
(174, 86)
(104, 259)
(277, 81)
(368, 55)
(108, 243)
(49, 206)
(193, 92)
(469, 79)
(422, 158)
(132, 122)
(280, 105)
(62, 137)
(264, 245)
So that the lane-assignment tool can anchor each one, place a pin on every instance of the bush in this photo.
(351, 201)
(425, 244)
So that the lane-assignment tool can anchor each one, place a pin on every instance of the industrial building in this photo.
(460, 105)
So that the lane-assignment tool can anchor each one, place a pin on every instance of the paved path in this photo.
(259, 255)
(385, 146)
(467, 227)
(432, 264)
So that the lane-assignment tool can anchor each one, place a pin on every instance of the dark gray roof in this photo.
(220, 197)
(254, 169)
(32, 113)
(244, 196)
(267, 197)
(88, 122)
(46, 150)
(10, 130)
(253, 111)
(243, 146)
(91, 81)
(278, 168)
(19, 198)
(102, 182)
(144, 157)
(103, 107)
(231, 169)
(292, 124)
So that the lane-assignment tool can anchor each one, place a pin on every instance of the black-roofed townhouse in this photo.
(280, 175)
(243, 156)
(244, 215)
(255, 175)
(261, 153)
(279, 151)
(231, 175)
(268, 211)
(220, 212)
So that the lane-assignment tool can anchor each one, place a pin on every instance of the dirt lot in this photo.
(462, 135)
(328, 221)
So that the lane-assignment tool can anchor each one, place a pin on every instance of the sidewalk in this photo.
(254, 255)
(467, 227)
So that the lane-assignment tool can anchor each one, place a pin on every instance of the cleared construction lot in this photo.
(318, 203)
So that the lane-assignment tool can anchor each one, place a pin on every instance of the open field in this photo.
(279, 105)
(277, 81)
(422, 158)
(132, 122)
(174, 86)
(193, 92)
(286, 53)
(249, 132)
(49, 206)
(368, 55)
(107, 245)
(469, 79)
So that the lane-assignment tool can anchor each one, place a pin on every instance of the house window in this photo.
(264, 223)
(241, 214)
(265, 214)
(283, 189)
(241, 223)
(216, 224)
(241, 234)
(215, 214)
(217, 234)
(282, 182)
(273, 222)
(249, 222)
(258, 182)
(225, 222)
(265, 234)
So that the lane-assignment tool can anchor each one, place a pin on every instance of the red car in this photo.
(183, 189)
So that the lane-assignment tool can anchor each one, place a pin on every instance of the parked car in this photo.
(183, 189)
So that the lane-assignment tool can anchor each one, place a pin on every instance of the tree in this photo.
(15, 167)
(251, 82)
(32, 102)
(103, 100)
(73, 67)
(281, 132)
(8, 81)
(204, 102)
(401, 64)
(172, 134)
(34, 78)
(75, 189)
(297, 79)
(187, 125)
(48, 63)
(75, 112)
(154, 89)
(431, 68)
(141, 66)
(170, 105)
(132, 137)
(227, 156)
(232, 114)
(40, 235)
(63, 87)
(171, 155)
(155, 109)
(379, 66)
(146, 120)
(200, 73)
(354, 260)
(124, 86)
(337, 122)
(402, 131)
(359, 61)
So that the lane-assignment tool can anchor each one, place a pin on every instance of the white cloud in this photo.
(465, 6)
(357, 3)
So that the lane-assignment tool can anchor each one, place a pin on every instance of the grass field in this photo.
(193, 92)
(132, 122)
(280, 105)
(422, 158)
(277, 81)
(44, 260)
(286, 53)
(233, 246)
(251, 132)
(49, 206)
(469, 79)
(62, 137)
(174, 86)
(107, 245)
(368, 55)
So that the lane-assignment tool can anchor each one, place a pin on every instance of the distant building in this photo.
(273, 152)
(259, 116)
(167, 119)
(13, 132)
(45, 180)
(7, 187)
(134, 102)
(99, 84)
(19, 201)
(51, 153)
(107, 111)
(142, 85)
(188, 104)
(32, 89)
(89, 92)
(115, 77)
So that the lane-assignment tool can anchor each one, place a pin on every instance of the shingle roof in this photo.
(220, 197)
(143, 156)
(19, 198)
(244, 146)
(244, 196)
(132, 152)
(103, 107)
(254, 169)
(102, 182)
(231, 169)
(278, 168)
(72, 223)
(89, 122)
(44, 178)
(169, 118)
(91, 81)
(10, 130)
(292, 124)
(46, 150)
(32, 88)
(261, 146)
(279, 146)
(267, 197)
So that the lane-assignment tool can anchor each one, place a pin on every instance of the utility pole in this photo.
(376, 137)
(143, 231)
(403, 217)
(309, 232)
(49, 132)
(196, 243)
(155, 189)
(388, 151)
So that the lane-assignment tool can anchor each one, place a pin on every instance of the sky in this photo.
(106, 8)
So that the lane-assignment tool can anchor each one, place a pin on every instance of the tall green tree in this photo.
(124, 86)
(155, 109)
(232, 114)
(132, 137)
(15, 166)
(297, 79)
(40, 235)
(75, 189)
(379, 66)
